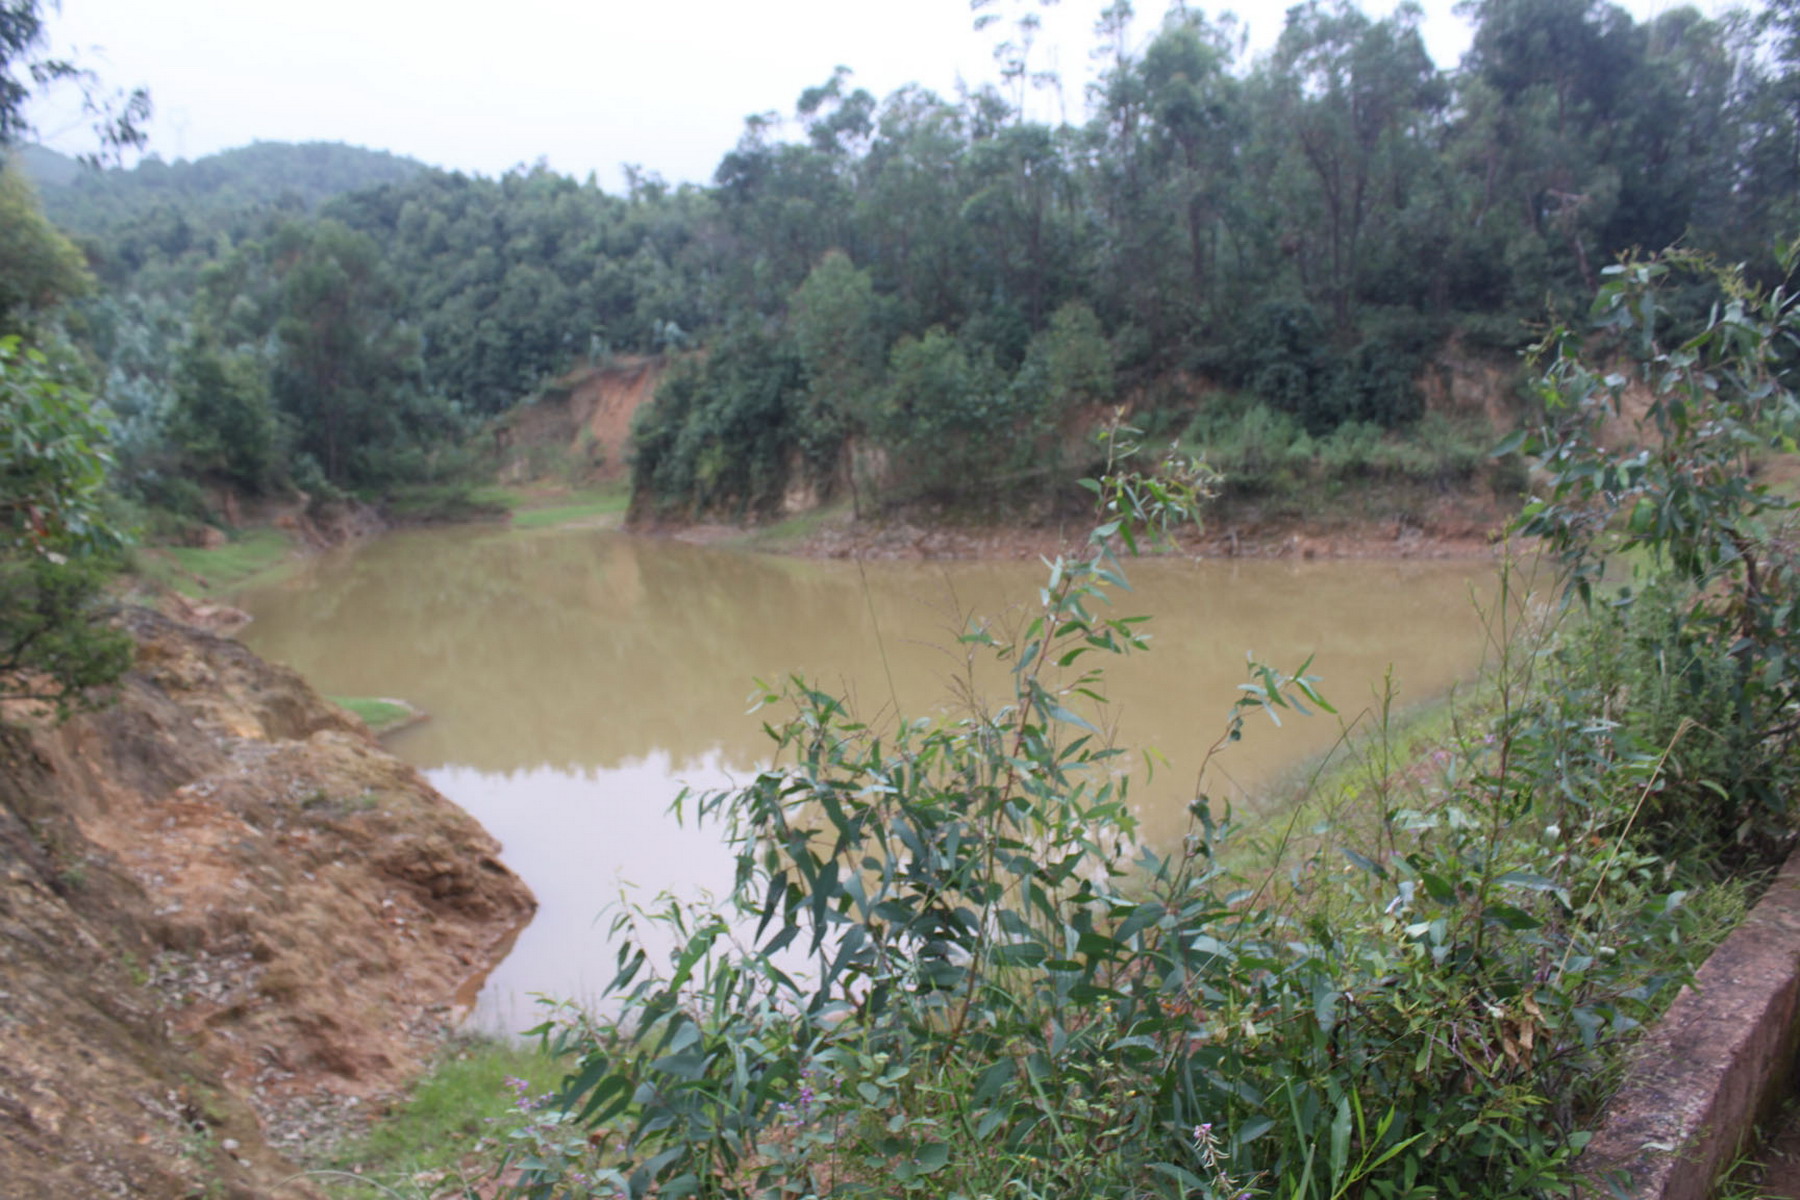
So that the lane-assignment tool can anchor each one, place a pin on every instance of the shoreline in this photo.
(1257, 539)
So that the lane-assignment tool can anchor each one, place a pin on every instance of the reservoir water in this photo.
(578, 678)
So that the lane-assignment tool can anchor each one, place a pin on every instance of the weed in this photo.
(439, 1137)
(379, 714)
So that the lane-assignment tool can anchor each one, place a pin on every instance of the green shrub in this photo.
(1283, 354)
(1258, 450)
(718, 436)
(1676, 694)
(58, 544)
(1719, 643)
(223, 423)
(177, 504)
(425, 504)
(1350, 451)
(55, 644)
(948, 415)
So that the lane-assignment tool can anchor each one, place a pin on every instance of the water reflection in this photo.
(574, 677)
(582, 840)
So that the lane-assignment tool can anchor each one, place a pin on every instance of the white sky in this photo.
(587, 84)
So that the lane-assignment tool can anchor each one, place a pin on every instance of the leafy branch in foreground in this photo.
(953, 971)
(53, 466)
(1661, 457)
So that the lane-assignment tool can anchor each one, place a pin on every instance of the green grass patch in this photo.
(444, 503)
(430, 1143)
(205, 573)
(1390, 755)
(572, 508)
(379, 714)
(796, 529)
(497, 496)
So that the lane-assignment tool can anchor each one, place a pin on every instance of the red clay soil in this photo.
(585, 417)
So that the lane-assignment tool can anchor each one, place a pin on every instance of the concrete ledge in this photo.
(1720, 1061)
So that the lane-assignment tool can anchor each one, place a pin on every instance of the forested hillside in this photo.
(293, 177)
(916, 294)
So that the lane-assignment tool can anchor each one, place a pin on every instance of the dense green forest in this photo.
(919, 293)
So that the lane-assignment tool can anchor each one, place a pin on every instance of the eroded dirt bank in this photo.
(226, 916)
(1448, 525)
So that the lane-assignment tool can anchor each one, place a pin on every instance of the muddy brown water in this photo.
(577, 679)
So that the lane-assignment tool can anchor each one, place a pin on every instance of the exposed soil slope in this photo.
(226, 914)
(584, 421)
(1446, 526)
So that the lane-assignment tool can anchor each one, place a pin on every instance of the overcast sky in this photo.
(586, 84)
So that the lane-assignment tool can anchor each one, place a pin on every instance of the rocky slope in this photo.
(226, 914)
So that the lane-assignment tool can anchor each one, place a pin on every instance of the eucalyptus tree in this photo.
(346, 366)
(1765, 50)
(835, 319)
(1680, 135)
(1163, 178)
(25, 69)
(838, 122)
(511, 281)
(1546, 86)
(1357, 102)
(1019, 25)
(910, 194)
(1018, 208)
(1194, 130)
(782, 206)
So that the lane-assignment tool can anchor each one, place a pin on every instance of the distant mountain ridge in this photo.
(287, 174)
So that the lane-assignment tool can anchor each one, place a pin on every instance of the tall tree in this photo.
(1546, 84)
(1020, 197)
(1357, 98)
(53, 455)
(835, 321)
(1194, 118)
(223, 422)
(39, 267)
(344, 364)
(910, 206)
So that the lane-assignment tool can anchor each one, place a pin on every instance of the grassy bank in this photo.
(207, 573)
(442, 1136)
(259, 554)
(380, 714)
(552, 509)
